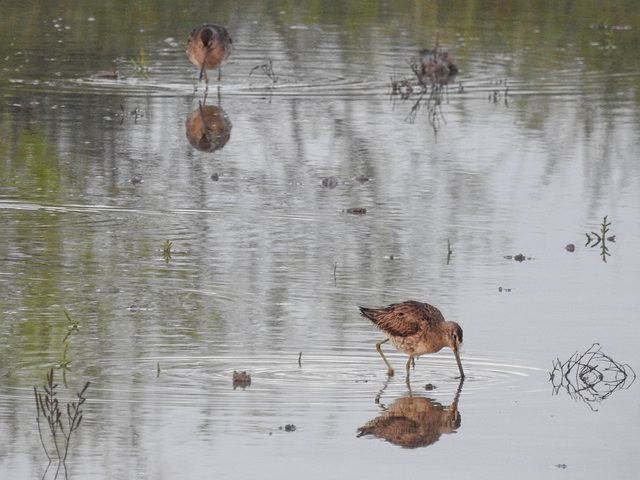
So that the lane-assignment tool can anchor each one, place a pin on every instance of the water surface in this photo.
(528, 150)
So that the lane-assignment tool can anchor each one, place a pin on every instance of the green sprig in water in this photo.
(141, 65)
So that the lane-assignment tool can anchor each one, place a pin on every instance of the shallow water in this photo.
(532, 146)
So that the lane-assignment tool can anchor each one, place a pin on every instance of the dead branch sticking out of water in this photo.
(591, 376)
(496, 96)
(48, 408)
(267, 69)
(426, 91)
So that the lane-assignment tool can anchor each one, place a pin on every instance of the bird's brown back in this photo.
(210, 42)
(404, 319)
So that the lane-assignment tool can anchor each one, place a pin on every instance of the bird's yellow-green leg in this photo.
(219, 73)
(382, 355)
(203, 71)
(409, 364)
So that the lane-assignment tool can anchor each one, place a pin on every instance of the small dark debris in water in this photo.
(289, 427)
(136, 180)
(357, 210)
(503, 289)
(561, 465)
(518, 258)
(108, 75)
(215, 176)
(570, 248)
(362, 179)
(241, 379)
(392, 257)
(429, 387)
(330, 182)
(134, 308)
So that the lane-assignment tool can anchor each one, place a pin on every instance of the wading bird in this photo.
(437, 67)
(415, 328)
(207, 47)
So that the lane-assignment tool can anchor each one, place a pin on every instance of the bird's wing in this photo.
(403, 319)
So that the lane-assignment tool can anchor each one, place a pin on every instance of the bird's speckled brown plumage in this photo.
(208, 46)
(415, 328)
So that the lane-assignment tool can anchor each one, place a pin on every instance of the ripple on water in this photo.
(196, 381)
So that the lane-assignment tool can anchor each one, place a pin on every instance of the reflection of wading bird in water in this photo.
(208, 128)
(207, 47)
(415, 328)
(413, 422)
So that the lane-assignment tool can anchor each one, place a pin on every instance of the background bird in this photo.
(208, 46)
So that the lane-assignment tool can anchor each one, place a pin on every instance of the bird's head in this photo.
(454, 336)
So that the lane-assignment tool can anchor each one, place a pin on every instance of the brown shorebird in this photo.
(436, 66)
(208, 46)
(415, 328)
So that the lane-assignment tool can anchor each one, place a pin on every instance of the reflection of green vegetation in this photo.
(34, 167)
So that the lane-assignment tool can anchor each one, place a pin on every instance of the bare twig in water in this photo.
(267, 69)
(48, 407)
(426, 94)
(591, 376)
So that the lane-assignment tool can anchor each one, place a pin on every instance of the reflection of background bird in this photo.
(208, 128)
(207, 47)
(414, 422)
(415, 328)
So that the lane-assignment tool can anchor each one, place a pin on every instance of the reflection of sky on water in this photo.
(265, 264)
